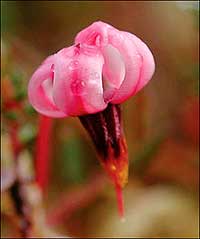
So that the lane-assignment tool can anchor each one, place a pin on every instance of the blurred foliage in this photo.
(161, 122)
(73, 169)
(143, 157)
(27, 133)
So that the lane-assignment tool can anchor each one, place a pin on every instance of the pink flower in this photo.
(90, 79)
(104, 66)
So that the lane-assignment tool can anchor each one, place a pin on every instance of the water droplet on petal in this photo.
(73, 65)
(78, 86)
(138, 56)
(96, 75)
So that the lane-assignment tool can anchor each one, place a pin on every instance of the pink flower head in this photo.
(104, 66)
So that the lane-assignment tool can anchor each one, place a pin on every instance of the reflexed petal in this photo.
(132, 62)
(148, 64)
(95, 34)
(40, 90)
(100, 34)
(78, 86)
(105, 65)
(113, 71)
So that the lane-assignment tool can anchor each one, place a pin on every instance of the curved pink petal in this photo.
(105, 65)
(95, 34)
(148, 63)
(100, 34)
(77, 88)
(133, 64)
(40, 90)
(113, 71)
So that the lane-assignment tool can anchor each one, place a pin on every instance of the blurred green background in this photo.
(161, 122)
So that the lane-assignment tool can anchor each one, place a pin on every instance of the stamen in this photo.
(120, 201)
(106, 132)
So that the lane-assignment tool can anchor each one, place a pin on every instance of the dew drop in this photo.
(96, 75)
(139, 56)
(73, 65)
(78, 86)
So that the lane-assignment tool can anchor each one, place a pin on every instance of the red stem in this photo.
(43, 147)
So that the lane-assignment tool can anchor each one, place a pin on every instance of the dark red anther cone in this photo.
(106, 131)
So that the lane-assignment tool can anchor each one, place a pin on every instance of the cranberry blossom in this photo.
(90, 79)
(104, 66)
